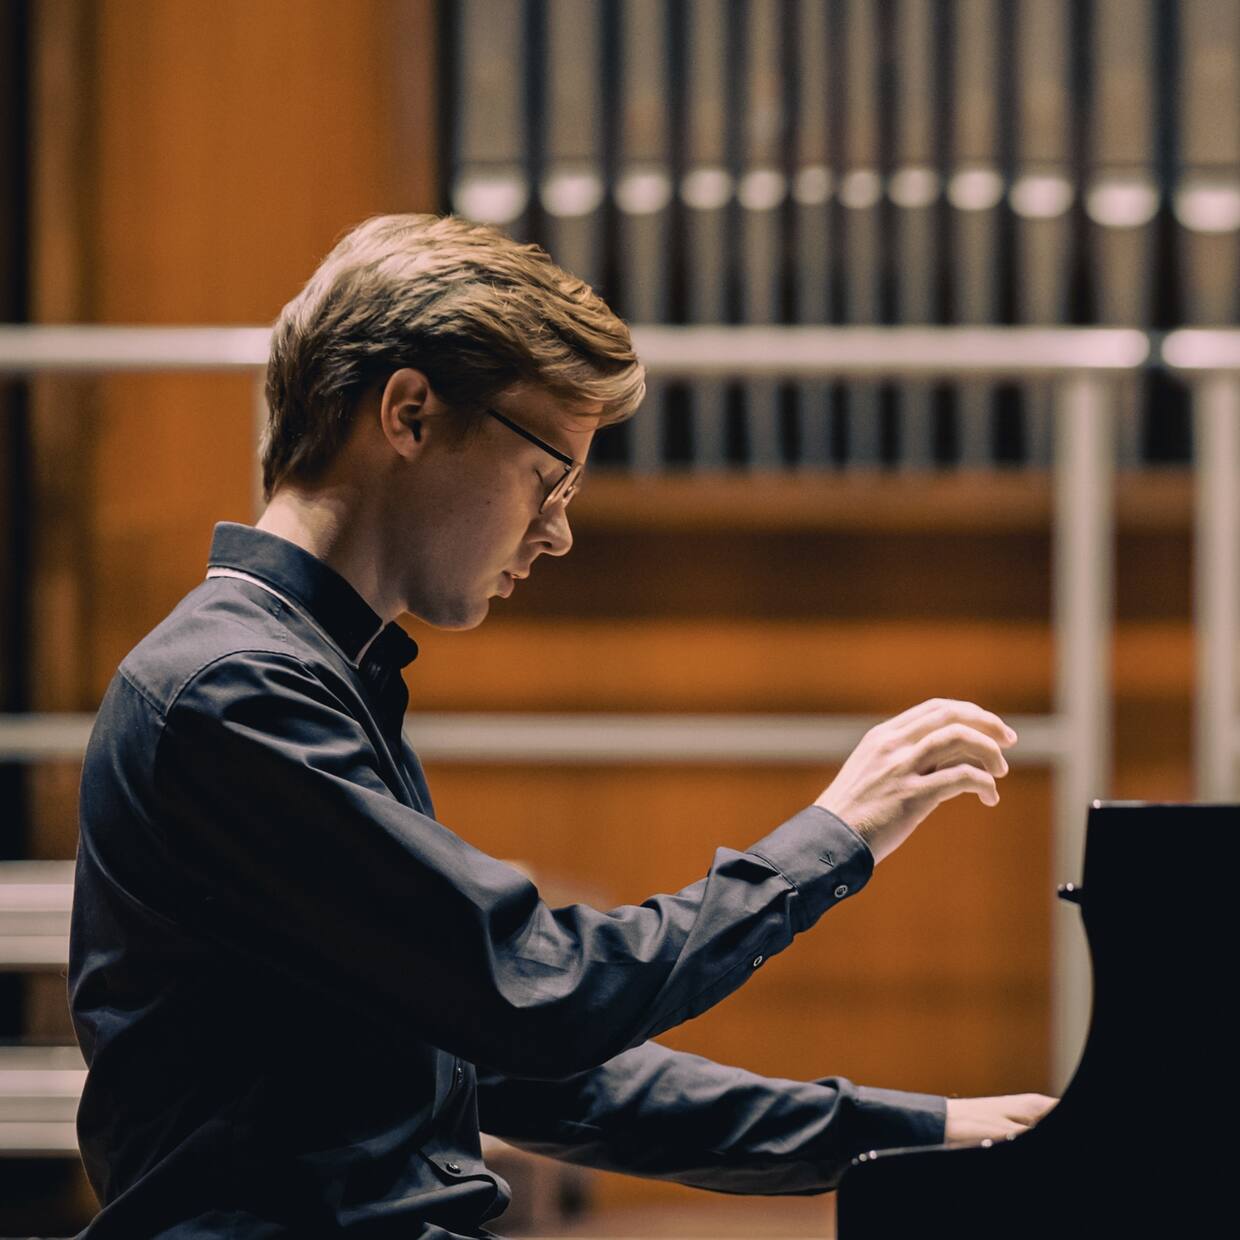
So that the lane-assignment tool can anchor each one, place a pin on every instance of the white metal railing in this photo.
(589, 739)
(785, 352)
(1210, 361)
(39, 1091)
(1075, 740)
(36, 898)
(41, 1086)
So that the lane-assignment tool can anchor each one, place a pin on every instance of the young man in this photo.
(299, 995)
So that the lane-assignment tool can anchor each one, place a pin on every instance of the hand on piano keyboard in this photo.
(906, 767)
(992, 1119)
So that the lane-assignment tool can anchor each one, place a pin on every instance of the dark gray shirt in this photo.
(300, 996)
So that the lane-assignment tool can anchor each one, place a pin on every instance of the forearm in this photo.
(669, 1115)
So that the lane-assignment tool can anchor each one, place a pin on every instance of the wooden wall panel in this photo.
(725, 664)
(239, 140)
(174, 455)
(194, 162)
(236, 143)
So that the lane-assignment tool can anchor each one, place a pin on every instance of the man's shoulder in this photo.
(219, 622)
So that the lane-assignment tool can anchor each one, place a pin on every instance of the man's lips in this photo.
(508, 582)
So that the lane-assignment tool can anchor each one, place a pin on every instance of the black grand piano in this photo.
(1144, 1139)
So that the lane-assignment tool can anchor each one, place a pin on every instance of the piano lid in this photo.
(1143, 1141)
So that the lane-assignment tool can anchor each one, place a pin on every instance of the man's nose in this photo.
(555, 534)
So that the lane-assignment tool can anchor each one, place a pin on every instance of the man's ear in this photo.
(406, 406)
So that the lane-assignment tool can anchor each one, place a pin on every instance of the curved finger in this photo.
(915, 714)
(951, 781)
(943, 712)
(958, 743)
(1030, 1108)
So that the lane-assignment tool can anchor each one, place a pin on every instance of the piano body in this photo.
(1143, 1140)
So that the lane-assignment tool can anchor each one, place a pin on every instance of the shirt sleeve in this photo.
(295, 854)
(670, 1115)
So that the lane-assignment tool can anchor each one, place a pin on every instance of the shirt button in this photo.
(757, 960)
(455, 1168)
(841, 891)
(460, 1074)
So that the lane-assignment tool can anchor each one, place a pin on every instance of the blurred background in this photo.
(792, 554)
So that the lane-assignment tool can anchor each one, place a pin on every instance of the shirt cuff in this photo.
(821, 856)
(893, 1119)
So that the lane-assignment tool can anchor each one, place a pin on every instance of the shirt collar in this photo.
(327, 599)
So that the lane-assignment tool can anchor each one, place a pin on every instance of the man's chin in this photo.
(455, 619)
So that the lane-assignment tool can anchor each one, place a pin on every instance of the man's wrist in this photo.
(859, 831)
(891, 1118)
(821, 856)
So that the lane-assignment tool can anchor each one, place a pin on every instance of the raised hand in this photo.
(907, 766)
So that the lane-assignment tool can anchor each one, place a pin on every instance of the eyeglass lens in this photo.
(564, 489)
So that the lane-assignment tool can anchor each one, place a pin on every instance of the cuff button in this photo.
(841, 891)
(757, 960)
(454, 1168)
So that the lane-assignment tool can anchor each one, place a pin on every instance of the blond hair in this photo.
(473, 309)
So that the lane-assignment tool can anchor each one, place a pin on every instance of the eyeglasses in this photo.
(565, 486)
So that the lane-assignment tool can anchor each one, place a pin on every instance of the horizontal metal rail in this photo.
(40, 1087)
(100, 349)
(1202, 348)
(672, 352)
(860, 352)
(36, 898)
(605, 739)
(39, 1091)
